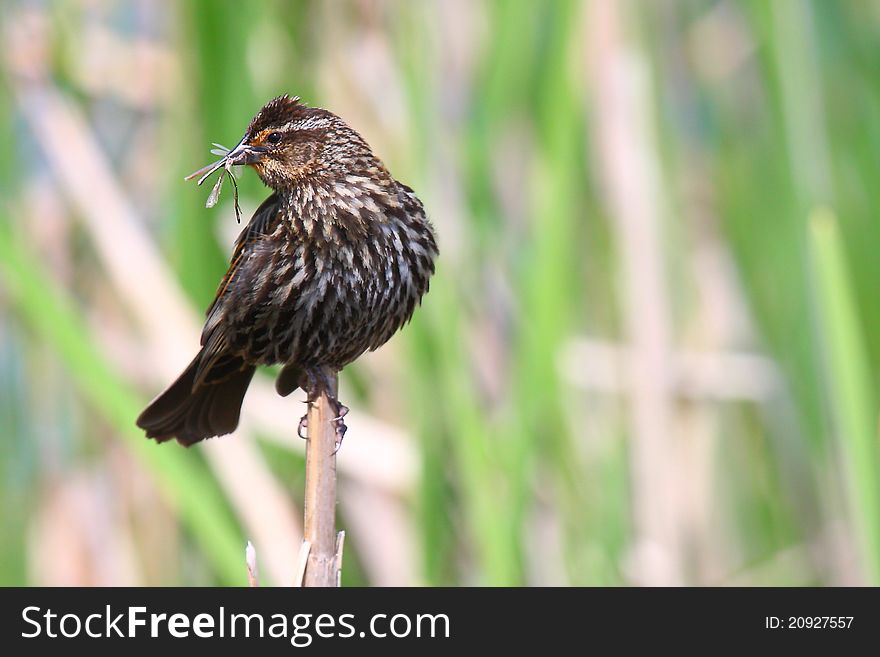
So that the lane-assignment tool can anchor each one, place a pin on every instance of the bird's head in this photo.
(288, 142)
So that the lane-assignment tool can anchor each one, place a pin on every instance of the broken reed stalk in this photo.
(324, 560)
(250, 557)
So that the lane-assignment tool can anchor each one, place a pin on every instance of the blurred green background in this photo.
(649, 354)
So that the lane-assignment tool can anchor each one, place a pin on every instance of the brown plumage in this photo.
(331, 265)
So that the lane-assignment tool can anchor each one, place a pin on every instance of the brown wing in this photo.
(213, 339)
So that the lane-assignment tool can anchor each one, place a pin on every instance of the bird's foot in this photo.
(304, 423)
(339, 423)
(319, 382)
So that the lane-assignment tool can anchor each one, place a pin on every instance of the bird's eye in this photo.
(274, 138)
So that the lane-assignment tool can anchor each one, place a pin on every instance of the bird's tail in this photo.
(190, 411)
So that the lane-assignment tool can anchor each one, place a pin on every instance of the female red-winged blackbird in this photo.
(332, 264)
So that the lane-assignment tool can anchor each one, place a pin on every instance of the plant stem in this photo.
(322, 566)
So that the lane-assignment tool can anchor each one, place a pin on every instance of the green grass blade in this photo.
(850, 393)
(186, 486)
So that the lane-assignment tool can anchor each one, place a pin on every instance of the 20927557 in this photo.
(808, 622)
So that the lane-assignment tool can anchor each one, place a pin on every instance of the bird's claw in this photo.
(339, 424)
(340, 433)
(341, 412)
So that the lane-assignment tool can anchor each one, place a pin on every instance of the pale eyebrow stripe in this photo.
(305, 124)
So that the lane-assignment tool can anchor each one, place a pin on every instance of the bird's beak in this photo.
(245, 154)
(242, 154)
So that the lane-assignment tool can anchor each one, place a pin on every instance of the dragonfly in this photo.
(228, 159)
